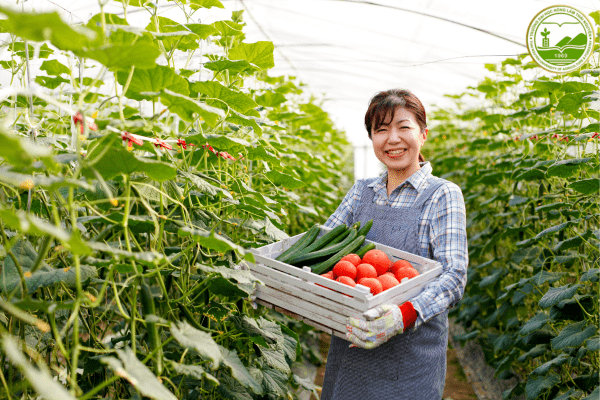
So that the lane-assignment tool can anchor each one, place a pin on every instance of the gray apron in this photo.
(411, 365)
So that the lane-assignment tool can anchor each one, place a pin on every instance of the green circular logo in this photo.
(560, 39)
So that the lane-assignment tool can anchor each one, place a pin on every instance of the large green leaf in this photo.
(211, 240)
(234, 99)
(230, 144)
(566, 168)
(205, 4)
(570, 103)
(234, 67)
(129, 367)
(153, 80)
(54, 67)
(285, 180)
(272, 380)
(124, 56)
(230, 282)
(50, 82)
(535, 323)
(573, 335)
(202, 342)
(194, 371)
(256, 327)
(586, 186)
(203, 31)
(557, 294)
(38, 376)
(27, 223)
(119, 161)
(536, 386)
(259, 54)
(232, 389)
(40, 27)
(544, 276)
(186, 107)
(172, 34)
(239, 371)
(555, 362)
(45, 276)
(20, 151)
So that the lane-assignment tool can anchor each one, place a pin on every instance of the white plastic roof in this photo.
(346, 50)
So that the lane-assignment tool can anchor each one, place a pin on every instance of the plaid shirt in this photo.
(442, 234)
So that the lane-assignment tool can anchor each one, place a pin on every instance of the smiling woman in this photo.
(399, 352)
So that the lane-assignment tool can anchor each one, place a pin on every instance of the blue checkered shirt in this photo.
(442, 234)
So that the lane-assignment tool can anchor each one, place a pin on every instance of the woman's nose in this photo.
(395, 135)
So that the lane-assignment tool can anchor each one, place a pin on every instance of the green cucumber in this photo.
(153, 335)
(301, 243)
(340, 238)
(304, 258)
(328, 264)
(324, 240)
(356, 225)
(363, 250)
(365, 229)
(308, 237)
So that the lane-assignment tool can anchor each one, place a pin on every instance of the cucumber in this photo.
(153, 334)
(356, 225)
(328, 264)
(308, 237)
(304, 258)
(301, 243)
(324, 240)
(363, 250)
(365, 229)
(340, 238)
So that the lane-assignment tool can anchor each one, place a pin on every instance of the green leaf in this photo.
(259, 54)
(239, 279)
(236, 100)
(27, 223)
(231, 144)
(20, 151)
(39, 376)
(210, 240)
(534, 352)
(595, 16)
(239, 371)
(195, 4)
(202, 30)
(228, 28)
(570, 394)
(186, 107)
(557, 294)
(256, 327)
(285, 180)
(535, 387)
(172, 34)
(566, 168)
(194, 371)
(556, 228)
(592, 275)
(124, 56)
(535, 323)
(525, 254)
(203, 185)
(586, 186)
(570, 103)
(271, 99)
(274, 233)
(575, 87)
(544, 276)
(50, 82)
(273, 381)
(119, 161)
(53, 67)
(234, 67)
(153, 80)
(202, 342)
(40, 27)
(130, 368)
(492, 278)
(593, 344)
(232, 389)
(516, 200)
(596, 393)
(555, 362)
(573, 335)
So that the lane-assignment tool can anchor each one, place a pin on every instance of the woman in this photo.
(399, 352)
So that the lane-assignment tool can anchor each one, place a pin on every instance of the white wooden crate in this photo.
(296, 292)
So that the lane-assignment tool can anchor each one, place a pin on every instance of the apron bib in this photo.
(411, 365)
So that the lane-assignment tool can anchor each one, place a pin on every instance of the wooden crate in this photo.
(296, 292)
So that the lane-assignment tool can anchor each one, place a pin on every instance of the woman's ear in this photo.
(424, 136)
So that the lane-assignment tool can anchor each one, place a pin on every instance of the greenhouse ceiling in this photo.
(346, 50)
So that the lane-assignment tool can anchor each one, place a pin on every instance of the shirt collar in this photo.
(416, 180)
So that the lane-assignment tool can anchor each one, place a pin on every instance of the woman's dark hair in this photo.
(383, 105)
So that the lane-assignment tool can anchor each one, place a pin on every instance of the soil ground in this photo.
(457, 387)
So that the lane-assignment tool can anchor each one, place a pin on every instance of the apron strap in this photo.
(434, 184)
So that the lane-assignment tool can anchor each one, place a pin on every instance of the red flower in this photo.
(182, 143)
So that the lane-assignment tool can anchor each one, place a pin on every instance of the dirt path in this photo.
(457, 387)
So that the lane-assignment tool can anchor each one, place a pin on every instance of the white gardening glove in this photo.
(380, 324)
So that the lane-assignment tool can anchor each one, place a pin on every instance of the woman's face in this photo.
(397, 143)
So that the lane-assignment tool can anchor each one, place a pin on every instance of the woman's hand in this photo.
(380, 324)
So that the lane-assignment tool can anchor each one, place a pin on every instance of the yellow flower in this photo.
(26, 184)
(95, 114)
(114, 202)
(66, 269)
(81, 138)
(27, 274)
(42, 326)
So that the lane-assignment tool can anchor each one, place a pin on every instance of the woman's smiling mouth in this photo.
(396, 152)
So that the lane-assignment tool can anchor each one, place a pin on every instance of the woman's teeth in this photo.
(396, 152)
